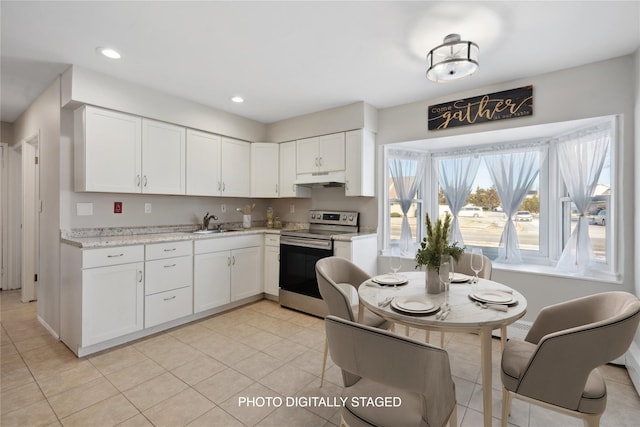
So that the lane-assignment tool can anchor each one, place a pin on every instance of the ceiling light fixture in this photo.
(452, 60)
(237, 99)
(109, 52)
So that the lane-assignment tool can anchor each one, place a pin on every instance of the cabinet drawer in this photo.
(203, 246)
(166, 274)
(272, 240)
(168, 250)
(166, 306)
(111, 256)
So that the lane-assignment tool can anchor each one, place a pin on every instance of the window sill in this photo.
(548, 270)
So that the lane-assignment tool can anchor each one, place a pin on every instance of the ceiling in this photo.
(297, 57)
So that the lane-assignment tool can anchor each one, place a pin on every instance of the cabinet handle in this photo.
(137, 180)
(224, 187)
(317, 161)
(219, 186)
(145, 180)
(293, 187)
(320, 161)
(169, 266)
(228, 261)
(170, 298)
(139, 276)
(276, 188)
(115, 256)
(346, 184)
(169, 250)
(234, 260)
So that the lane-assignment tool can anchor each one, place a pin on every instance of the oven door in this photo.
(298, 257)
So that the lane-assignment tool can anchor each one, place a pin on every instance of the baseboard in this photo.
(48, 328)
(632, 362)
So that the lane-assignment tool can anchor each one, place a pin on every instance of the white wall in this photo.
(634, 357)
(599, 89)
(43, 118)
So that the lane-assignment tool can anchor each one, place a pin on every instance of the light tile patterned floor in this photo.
(195, 375)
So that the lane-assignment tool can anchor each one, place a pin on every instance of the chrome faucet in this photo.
(207, 218)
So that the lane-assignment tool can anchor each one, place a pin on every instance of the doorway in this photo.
(29, 230)
(4, 215)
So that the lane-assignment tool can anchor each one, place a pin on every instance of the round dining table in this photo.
(466, 314)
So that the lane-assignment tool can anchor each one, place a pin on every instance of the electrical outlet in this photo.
(147, 208)
(223, 208)
(117, 207)
(292, 208)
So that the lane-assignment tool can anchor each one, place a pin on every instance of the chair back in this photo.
(594, 330)
(394, 361)
(334, 271)
(463, 265)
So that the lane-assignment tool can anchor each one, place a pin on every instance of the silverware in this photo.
(445, 314)
(497, 307)
(385, 302)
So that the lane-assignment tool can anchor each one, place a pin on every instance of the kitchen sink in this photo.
(208, 231)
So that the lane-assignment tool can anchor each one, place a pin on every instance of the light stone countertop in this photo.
(110, 238)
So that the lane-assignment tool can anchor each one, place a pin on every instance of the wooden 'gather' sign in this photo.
(507, 104)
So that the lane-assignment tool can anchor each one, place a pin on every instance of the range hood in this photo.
(321, 179)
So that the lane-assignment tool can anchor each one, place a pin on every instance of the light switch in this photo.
(84, 209)
(223, 208)
(147, 208)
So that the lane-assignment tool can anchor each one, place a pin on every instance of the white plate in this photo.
(414, 305)
(390, 279)
(495, 297)
(460, 278)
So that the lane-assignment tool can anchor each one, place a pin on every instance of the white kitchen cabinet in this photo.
(168, 282)
(226, 269)
(359, 163)
(360, 250)
(107, 151)
(203, 163)
(264, 169)
(163, 158)
(321, 154)
(235, 168)
(122, 153)
(288, 172)
(272, 264)
(101, 296)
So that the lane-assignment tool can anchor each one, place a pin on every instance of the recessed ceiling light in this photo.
(109, 52)
(237, 99)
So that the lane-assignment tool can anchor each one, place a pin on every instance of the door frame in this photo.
(30, 218)
(4, 215)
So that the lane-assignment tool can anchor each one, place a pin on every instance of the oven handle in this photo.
(307, 243)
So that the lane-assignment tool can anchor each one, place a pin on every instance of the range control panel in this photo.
(333, 217)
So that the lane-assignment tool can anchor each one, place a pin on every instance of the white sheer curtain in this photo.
(456, 178)
(581, 158)
(407, 169)
(512, 174)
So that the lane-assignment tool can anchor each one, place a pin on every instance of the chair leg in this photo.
(503, 337)
(506, 406)
(324, 361)
(590, 420)
(453, 418)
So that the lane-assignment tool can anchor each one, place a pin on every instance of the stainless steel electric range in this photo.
(299, 252)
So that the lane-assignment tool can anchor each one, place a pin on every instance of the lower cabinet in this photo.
(272, 264)
(226, 270)
(166, 306)
(112, 302)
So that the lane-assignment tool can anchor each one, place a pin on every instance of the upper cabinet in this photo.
(288, 187)
(203, 163)
(360, 163)
(120, 153)
(321, 154)
(108, 151)
(235, 180)
(163, 158)
(217, 166)
(264, 169)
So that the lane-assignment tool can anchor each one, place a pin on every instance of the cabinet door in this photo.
(264, 170)
(287, 187)
(163, 158)
(272, 270)
(112, 302)
(211, 280)
(203, 164)
(236, 168)
(246, 273)
(331, 152)
(359, 163)
(307, 157)
(108, 150)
